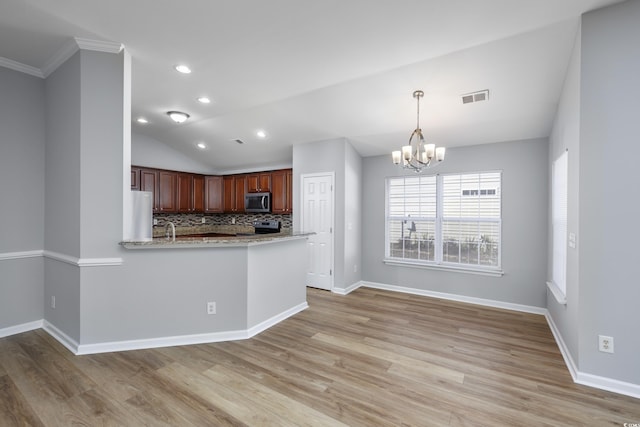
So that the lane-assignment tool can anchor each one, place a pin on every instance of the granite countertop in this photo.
(217, 237)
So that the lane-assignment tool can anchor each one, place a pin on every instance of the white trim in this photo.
(20, 67)
(444, 267)
(564, 350)
(262, 326)
(82, 262)
(460, 298)
(347, 290)
(557, 293)
(21, 255)
(18, 329)
(64, 339)
(72, 46)
(60, 57)
(146, 343)
(608, 384)
(98, 45)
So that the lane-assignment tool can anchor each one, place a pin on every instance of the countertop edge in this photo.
(208, 242)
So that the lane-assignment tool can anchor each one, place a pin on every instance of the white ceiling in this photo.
(314, 70)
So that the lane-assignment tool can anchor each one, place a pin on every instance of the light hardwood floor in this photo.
(372, 358)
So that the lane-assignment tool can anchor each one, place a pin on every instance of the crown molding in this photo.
(72, 46)
(23, 68)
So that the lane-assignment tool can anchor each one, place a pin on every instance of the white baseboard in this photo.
(64, 339)
(584, 378)
(18, 329)
(262, 326)
(347, 290)
(140, 344)
(460, 298)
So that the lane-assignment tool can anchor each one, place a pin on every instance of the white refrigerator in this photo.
(142, 216)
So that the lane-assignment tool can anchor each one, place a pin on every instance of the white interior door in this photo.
(317, 216)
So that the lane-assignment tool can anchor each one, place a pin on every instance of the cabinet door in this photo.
(213, 194)
(167, 191)
(135, 178)
(184, 186)
(197, 205)
(241, 186)
(281, 191)
(149, 182)
(259, 182)
(229, 188)
(289, 191)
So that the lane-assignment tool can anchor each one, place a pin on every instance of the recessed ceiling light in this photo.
(201, 145)
(261, 134)
(184, 69)
(178, 116)
(142, 120)
(204, 100)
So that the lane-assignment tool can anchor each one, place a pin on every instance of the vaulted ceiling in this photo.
(307, 71)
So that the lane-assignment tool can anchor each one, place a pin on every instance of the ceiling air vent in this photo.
(238, 141)
(469, 98)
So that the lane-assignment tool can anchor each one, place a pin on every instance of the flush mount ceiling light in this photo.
(204, 100)
(418, 155)
(201, 145)
(261, 134)
(142, 120)
(184, 69)
(178, 116)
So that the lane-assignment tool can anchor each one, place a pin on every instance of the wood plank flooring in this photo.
(372, 358)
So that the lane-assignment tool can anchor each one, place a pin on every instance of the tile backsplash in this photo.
(194, 220)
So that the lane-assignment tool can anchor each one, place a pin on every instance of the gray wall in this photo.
(22, 150)
(146, 151)
(565, 135)
(524, 224)
(339, 157)
(609, 175)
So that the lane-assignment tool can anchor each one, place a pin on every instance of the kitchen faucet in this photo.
(171, 235)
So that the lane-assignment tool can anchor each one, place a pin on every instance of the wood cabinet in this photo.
(197, 202)
(167, 191)
(281, 191)
(213, 194)
(259, 182)
(135, 179)
(148, 180)
(234, 189)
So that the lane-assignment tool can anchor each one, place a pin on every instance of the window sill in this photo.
(444, 267)
(557, 293)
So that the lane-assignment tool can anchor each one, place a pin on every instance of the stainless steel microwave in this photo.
(257, 202)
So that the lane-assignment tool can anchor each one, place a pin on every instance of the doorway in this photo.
(317, 217)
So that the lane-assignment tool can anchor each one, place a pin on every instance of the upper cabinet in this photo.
(234, 190)
(259, 182)
(183, 192)
(213, 193)
(281, 191)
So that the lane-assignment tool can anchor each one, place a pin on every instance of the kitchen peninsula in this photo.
(225, 287)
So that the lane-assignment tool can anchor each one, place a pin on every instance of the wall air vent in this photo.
(469, 98)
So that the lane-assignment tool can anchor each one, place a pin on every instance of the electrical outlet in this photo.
(53, 301)
(204, 220)
(155, 221)
(605, 344)
(211, 307)
(355, 268)
(233, 220)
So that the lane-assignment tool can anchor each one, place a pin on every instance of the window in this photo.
(446, 220)
(559, 191)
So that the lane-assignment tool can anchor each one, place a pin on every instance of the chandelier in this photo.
(418, 155)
